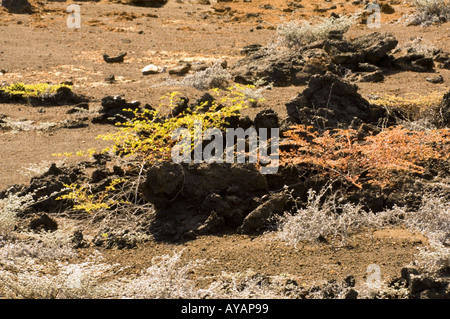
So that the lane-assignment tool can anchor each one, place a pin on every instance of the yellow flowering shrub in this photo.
(148, 136)
(32, 90)
(84, 199)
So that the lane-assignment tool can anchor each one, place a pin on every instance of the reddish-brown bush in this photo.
(340, 154)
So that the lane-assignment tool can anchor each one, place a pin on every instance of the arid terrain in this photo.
(39, 47)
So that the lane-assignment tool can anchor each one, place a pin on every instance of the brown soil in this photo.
(40, 48)
(309, 264)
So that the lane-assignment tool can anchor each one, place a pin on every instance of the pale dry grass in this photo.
(213, 77)
(298, 33)
(429, 12)
(323, 218)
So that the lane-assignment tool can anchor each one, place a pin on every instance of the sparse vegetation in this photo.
(85, 200)
(339, 154)
(168, 277)
(435, 258)
(22, 279)
(323, 218)
(32, 90)
(295, 33)
(412, 108)
(10, 206)
(212, 77)
(430, 12)
(171, 276)
(367, 184)
(148, 136)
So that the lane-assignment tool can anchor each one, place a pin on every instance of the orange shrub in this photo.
(340, 154)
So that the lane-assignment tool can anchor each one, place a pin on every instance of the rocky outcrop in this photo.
(167, 181)
(112, 110)
(331, 102)
(62, 96)
(257, 218)
(114, 59)
(146, 3)
(374, 46)
(444, 110)
(17, 6)
(414, 283)
(360, 59)
(414, 62)
(195, 199)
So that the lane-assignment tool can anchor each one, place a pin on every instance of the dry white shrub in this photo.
(295, 33)
(433, 7)
(419, 125)
(213, 77)
(419, 45)
(432, 218)
(35, 249)
(336, 220)
(332, 220)
(36, 169)
(429, 12)
(24, 278)
(328, 220)
(166, 278)
(251, 285)
(434, 258)
(10, 206)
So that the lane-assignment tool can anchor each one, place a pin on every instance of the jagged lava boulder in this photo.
(331, 102)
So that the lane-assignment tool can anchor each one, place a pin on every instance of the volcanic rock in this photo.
(17, 6)
(331, 102)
